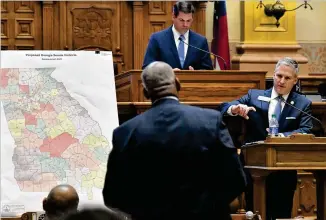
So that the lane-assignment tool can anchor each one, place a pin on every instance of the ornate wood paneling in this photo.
(199, 24)
(21, 25)
(4, 7)
(4, 29)
(48, 25)
(156, 26)
(126, 29)
(157, 8)
(24, 7)
(25, 28)
(138, 33)
(93, 25)
(159, 16)
(304, 203)
(121, 26)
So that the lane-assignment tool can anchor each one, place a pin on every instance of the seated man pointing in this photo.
(257, 107)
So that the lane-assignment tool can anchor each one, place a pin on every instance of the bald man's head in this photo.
(62, 199)
(159, 80)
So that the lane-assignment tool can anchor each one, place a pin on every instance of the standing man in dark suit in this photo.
(173, 161)
(168, 45)
(257, 107)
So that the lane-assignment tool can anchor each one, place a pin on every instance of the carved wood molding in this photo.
(201, 18)
(92, 26)
(48, 18)
(306, 195)
(138, 32)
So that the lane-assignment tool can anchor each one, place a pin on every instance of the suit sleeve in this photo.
(206, 62)
(233, 176)
(305, 124)
(111, 185)
(152, 52)
(243, 100)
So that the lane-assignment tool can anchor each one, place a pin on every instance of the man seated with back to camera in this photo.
(98, 214)
(257, 107)
(61, 201)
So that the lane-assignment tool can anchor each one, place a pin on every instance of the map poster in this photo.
(58, 112)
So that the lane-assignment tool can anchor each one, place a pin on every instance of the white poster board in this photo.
(58, 112)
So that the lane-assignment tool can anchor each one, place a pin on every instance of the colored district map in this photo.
(56, 140)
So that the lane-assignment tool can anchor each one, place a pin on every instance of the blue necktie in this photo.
(278, 108)
(181, 50)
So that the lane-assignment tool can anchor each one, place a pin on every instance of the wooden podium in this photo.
(196, 86)
(297, 152)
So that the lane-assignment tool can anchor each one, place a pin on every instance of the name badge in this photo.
(264, 98)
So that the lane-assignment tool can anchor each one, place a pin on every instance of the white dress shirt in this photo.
(166, 97)
(273, 103)
(176, 36)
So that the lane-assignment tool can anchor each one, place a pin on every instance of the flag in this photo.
(220, 42)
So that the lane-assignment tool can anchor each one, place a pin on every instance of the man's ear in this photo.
(45, 204)
(177, 84)
(274, 75)
(296, 80)
(146, 93)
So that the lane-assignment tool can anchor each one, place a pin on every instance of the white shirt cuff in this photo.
(229, 112)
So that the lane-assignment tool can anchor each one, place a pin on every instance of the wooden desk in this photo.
(128, 110)
(11, 218)
(238, 217)
(297, 152)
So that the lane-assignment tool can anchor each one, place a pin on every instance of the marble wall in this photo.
(310, 31)
(316, 54)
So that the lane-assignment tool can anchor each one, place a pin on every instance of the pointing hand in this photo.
(242, 110)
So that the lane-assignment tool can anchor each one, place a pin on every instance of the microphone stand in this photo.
(210, 53)
(316, 119)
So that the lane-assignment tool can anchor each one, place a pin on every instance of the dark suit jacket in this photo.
(173, 162)
(291, 120)
(161, 47)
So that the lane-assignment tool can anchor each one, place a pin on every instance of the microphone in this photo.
(215, 55)
(316, 119)
(249, 215)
